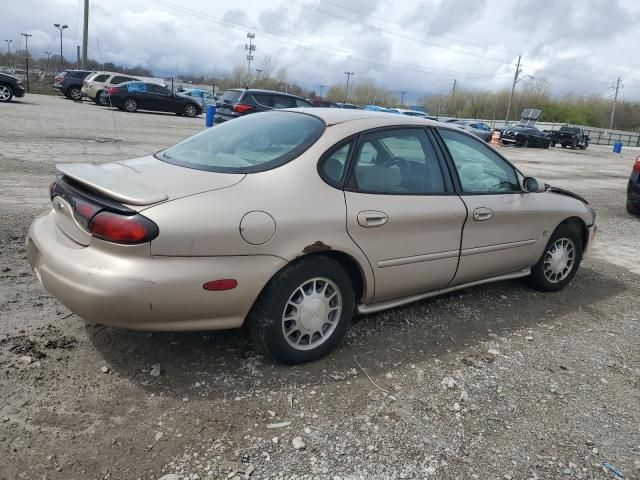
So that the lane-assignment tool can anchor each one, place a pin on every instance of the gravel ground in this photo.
(496, 382)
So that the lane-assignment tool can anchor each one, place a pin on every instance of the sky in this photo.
(418, 46)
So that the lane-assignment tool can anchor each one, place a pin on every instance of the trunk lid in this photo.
(124, 187)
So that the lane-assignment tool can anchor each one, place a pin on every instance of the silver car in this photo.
(479, 129)
(294, 220)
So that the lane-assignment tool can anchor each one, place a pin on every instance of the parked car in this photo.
(133, 96)
(203, 96)
(479, 129)
(237, 102)
(350, 106)
(293, 221)
(524, 136)
(69, 83)
(10, 87)
(633, 189)
(319, 102)
(94, 86)
(412, 113)
(573, 137)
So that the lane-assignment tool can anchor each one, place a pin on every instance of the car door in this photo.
(402, 212)
(160, 98)
(504, 224)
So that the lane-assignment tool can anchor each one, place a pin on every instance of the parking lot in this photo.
(495, 382)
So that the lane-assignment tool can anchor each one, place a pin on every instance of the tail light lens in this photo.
(59, 79)
(636, 166)
(242, 108)
(111, 90)
(127, 229)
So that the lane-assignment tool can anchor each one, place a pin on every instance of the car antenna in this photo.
(113, 115)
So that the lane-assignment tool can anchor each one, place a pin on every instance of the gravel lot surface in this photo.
(496, 382)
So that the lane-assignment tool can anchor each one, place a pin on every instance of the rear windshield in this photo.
(231, 96)
(253, 143)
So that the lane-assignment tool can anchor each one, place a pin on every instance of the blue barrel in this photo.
(211, 113)
(617, 147)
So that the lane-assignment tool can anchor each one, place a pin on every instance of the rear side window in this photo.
(100, 78)
(263, 99)
(332, 168)
(282, 101)
(231, 96)
(252, 143)
(136, 87)
(302, 103)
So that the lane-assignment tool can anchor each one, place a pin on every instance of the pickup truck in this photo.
(573, 137)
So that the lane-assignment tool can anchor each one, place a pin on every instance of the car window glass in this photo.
(333, 166)
(263, 99)
(281, 101)
(117, 79)
(479, 168)
(302, 103)
(100, 78)
(231, 96)
(136, 87)
(404, 162)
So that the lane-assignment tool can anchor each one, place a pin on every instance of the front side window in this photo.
(479, 168)
(398, 161)
(252, 143)
(116, 80)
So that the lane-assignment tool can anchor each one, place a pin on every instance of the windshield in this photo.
(253, 143)
(569, 129)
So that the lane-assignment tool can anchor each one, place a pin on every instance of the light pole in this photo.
(346, 92)
(26, 45)
(61, 28)
(321, 90)
(9, 51)
(402, 94)
(46, 65)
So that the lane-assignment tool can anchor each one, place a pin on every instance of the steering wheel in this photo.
(399, 161)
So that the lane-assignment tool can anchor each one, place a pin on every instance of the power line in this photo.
(315, 47)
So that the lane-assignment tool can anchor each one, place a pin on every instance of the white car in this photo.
(94, 85)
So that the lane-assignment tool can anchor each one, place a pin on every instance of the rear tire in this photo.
(74, 93)
(130, 105)
(97, 99)
(559, 262)
(525, 144)
(310, 302)
(573, 145)
(553, 144)
(190, 111)
(6, 93)
(633, 209)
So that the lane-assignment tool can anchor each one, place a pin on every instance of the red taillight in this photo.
(111, 90)
(220, 285)
(123, 229)
(636, 166)
(242, 108)
(59, 79)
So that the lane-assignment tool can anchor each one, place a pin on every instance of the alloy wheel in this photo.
(5, 93)
(190, 111)
(75, 94)
(130, 105)
(311, 314)
(559, 260)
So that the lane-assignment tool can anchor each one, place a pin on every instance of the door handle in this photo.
(482, 213)
(372, 218)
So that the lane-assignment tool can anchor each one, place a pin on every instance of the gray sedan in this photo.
(479, 129)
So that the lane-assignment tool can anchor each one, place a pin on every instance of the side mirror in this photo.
(533, 185)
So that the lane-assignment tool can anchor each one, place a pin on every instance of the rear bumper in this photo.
(127, 287)
(19, 92)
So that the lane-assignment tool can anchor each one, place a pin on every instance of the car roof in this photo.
(332, 116)
(260, 90)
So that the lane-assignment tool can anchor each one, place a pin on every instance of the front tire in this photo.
(632, 209)
(304, 311)
(6, 93)
(559, 262)
(130, 105)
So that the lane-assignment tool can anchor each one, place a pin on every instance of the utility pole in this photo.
(615, 100)
(77, 57)
(26, 46)
(321, 90)
(85, 34)
(513, 88)
(346, 92)
(455, 84)
(402, 94)
(250, 48)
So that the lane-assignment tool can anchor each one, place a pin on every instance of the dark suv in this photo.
(69, 83)
(10, 87)
(633, 189)
(238, 101)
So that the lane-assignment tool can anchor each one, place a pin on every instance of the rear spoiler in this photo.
(116, 187)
